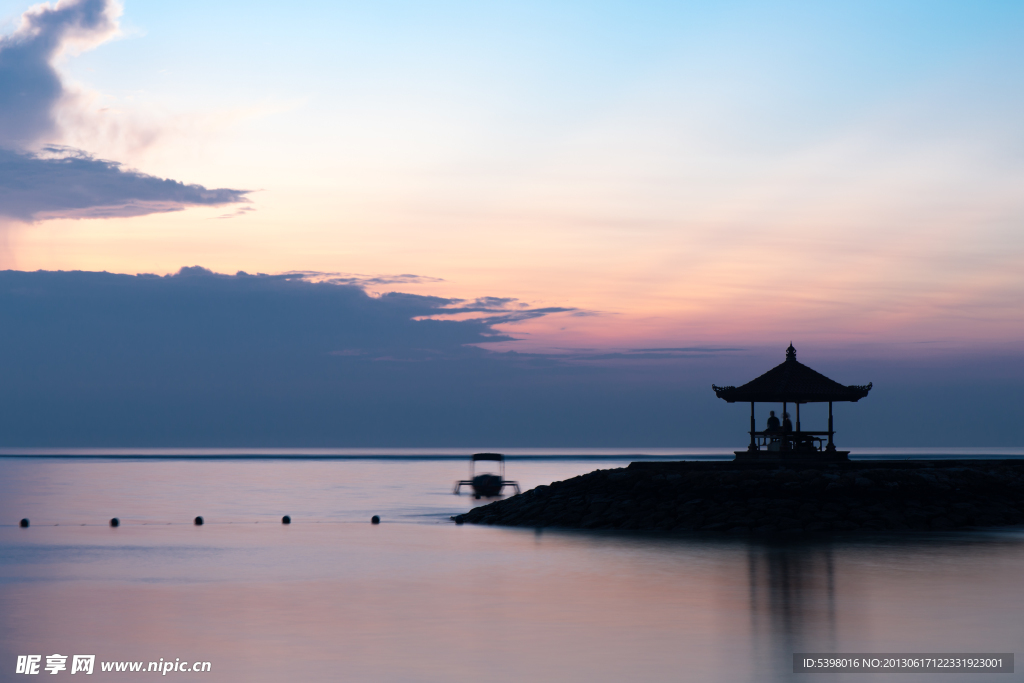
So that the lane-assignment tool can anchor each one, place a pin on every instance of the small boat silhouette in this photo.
(486, 485)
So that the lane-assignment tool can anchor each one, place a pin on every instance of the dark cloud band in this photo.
(71, 184)
(202, 359)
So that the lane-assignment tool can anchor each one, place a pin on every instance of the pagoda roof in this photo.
(794, 382)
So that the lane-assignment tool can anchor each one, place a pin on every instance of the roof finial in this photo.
(790, 352)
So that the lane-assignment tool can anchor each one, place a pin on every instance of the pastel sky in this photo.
(845, 172)
(649, 174)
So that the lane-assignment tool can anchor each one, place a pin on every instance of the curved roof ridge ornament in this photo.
(790, 352)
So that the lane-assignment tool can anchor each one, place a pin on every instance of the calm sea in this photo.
(333, 598)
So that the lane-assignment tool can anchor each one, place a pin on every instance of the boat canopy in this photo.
(497, 457)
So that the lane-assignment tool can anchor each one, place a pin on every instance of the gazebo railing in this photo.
(779, 440)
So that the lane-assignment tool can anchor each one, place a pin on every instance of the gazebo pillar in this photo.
(753, 428)
(831, 446)
(785, 432)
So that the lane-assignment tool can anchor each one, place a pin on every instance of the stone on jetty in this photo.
(763, 499)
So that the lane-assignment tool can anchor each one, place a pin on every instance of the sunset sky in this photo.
(634, 175)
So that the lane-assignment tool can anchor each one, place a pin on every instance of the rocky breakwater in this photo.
(727, 497)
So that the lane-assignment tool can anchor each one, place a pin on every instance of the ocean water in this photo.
(416, 598)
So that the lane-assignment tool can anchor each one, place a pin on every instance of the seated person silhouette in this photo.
(773, 423)
(786, 424)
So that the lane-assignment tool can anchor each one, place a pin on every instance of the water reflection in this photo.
(792, 599)
(925, 593)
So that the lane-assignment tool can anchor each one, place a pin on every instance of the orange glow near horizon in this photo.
(706, 285)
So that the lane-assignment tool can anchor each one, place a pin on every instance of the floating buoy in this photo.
(115, 522)
(23, 523)
(286, 520)
(373, 520)
(199, 521)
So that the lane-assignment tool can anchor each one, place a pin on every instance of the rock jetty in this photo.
(765, 499)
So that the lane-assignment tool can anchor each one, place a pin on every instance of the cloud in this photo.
(503, 310)
(63, 183)
(40, 181)
(205, 314)
(237, 213)
(361, 280)
(688, 349)
(204, 359)
(652, 354)
(30, 86)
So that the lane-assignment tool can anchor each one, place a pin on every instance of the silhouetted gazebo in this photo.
(791, 382)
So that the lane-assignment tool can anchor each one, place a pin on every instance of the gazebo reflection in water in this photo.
(791, 382)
